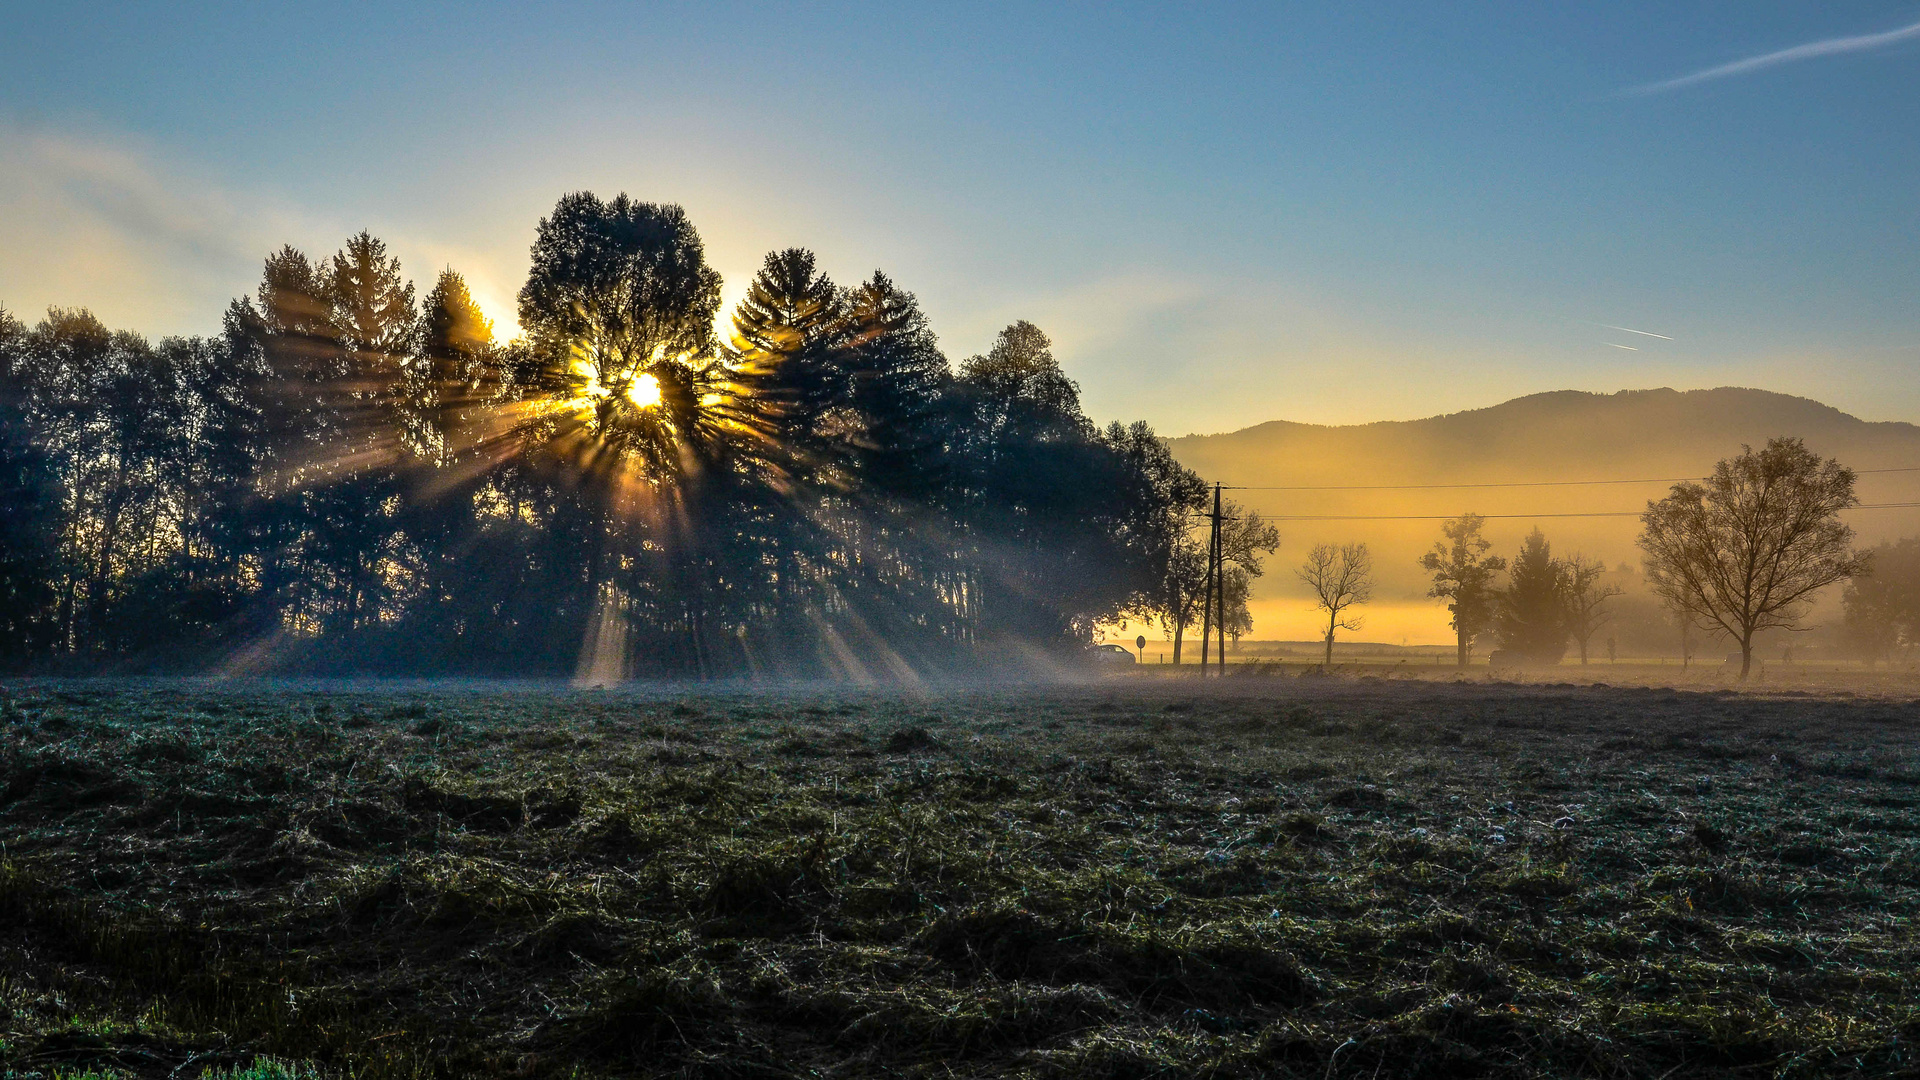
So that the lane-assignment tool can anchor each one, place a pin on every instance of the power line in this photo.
(1501, 484)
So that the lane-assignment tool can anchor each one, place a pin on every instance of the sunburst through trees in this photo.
(349, 477)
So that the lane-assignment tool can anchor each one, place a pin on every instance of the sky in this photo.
(1222, 214)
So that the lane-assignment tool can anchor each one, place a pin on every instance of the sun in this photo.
(644, 391)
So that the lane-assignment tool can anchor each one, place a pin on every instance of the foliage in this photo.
(1531, 616)
(1463, 574)
(1882, 607)
(1747, 550)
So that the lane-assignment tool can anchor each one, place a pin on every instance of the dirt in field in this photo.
(1314, 877)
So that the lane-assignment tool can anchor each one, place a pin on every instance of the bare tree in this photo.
(1746, 551)
(1341, 578)
(1586, 599)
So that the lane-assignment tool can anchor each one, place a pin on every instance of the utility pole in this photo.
(1220, 578)
(1213, 590)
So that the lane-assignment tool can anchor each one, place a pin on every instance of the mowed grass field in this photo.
(1135, 877)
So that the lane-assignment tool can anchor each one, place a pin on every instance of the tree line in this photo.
(1740, 553)
(351, 476)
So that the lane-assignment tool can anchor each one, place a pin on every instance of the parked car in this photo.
(1111, 654)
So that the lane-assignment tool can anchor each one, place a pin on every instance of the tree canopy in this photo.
(352, 478)
(1463, 574)
(1747, 550)
(1531, 617)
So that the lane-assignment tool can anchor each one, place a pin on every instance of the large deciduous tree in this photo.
(1747, 550)
(1463, 575)
(619, 309)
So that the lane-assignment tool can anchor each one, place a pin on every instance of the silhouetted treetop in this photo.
(451, 321)
(624, 282)
(370, 305)
(1019, 381)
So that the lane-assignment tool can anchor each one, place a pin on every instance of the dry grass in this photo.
(1319, 877)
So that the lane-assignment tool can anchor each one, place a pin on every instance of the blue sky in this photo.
(1222, 214)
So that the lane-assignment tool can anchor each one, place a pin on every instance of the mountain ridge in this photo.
(1558, 428)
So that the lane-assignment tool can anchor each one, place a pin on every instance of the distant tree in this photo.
(373, 316)
(1870, 622)
(1245, 540)
(1463, 573)
(1163, 496)
(1530, 618)
(451, 320)
(1236, 590)
(1587, 598)
(375, 327)
(1882, 608)
(1045, 507)
(1341, 578)
(1176, 603)
(1746, 550)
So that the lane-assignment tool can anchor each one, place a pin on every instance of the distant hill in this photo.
(1559, 436)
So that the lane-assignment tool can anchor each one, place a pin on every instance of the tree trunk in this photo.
(1583, 652)
(1746, 656)
(1463, 648)
(1179, 621)
(1329, 660)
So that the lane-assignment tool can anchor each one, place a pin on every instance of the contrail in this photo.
(1629, 348)
(1642, 333)
(1809, 51)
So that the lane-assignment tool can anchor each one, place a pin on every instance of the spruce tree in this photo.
(1531, 620)
(896, 376)
(445, 382)
(786, 337)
